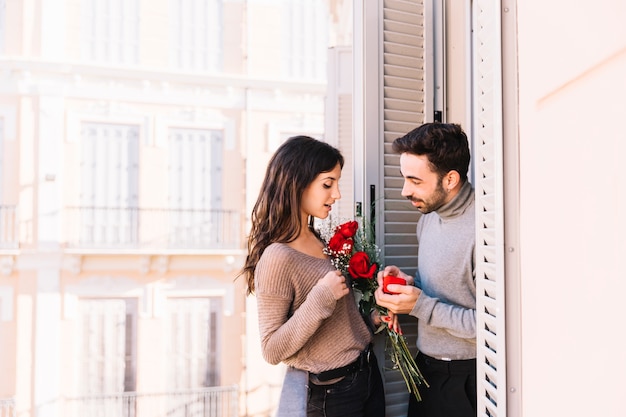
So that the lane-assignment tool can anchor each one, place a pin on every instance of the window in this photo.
(193, 353)
(107, 346)
(109, 184)
(196, 34)
(110, 31)
(3, 23)
(8, 212)
(1, 142)
(195, 185)
(305, 39)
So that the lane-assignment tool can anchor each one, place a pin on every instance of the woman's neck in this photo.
(308, 242)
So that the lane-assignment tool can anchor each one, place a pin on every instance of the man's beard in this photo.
(434, 201)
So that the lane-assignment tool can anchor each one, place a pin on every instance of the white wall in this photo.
(572, 84)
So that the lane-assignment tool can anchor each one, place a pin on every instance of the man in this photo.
(434, 160)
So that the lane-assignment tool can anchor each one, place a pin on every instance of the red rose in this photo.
(390, 279)
(340, 244)
(348, 229)
(360, 267)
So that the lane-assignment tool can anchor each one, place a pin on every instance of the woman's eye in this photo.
(327, 186)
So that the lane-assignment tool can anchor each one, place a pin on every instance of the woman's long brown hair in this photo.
(276, 213)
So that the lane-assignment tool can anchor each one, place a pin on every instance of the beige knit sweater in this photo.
(300, 322)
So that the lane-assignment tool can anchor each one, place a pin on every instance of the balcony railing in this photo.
(110, 227)
(8, 227)
(7, 407)
(207, 402)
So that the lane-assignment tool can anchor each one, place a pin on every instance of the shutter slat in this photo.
(402, 105)
(489, 254)
(400, 116)
(415, 40)
(397, 127)
(401, 16)
(416, 97)
(405, 83)
(405, 6)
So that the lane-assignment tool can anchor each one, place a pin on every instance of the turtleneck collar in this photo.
(459, 203)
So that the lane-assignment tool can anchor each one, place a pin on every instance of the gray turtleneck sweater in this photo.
(446, 308)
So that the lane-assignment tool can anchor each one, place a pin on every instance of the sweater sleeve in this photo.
(456, 320)
(283, 334)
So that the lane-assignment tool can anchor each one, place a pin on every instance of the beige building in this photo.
(130, 131)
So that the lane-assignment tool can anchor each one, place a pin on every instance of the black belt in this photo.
(357, 365)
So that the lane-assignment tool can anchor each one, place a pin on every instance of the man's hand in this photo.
(396, 272)
(406, 295)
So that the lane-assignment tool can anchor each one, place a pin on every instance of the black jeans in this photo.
(452, 391)
(360, 394)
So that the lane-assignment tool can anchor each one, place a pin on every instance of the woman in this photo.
(308, 318)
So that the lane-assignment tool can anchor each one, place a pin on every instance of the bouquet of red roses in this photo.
(352, 251)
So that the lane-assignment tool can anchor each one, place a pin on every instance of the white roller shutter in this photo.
(390, 99)
(488, 157)
(403, 98)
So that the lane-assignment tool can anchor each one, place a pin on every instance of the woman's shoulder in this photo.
(275, 269)
(276, 250)
(276, 255)
(282, 256)
(285, 252)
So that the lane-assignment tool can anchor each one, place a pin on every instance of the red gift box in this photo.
(390, 279)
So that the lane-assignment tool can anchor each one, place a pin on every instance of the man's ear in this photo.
(451, 180)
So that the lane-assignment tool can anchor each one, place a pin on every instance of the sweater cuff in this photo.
(423, 307)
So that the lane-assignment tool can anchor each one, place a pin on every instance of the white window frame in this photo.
(113, 220)
(195, 185)
(2, 134)
(194, 334)
(6, 303)
(200, 163)
(126, 371)
(3, 25)
(196, 28)
(305, 39)
(110, 31)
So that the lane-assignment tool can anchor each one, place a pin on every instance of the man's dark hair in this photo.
(445, 145)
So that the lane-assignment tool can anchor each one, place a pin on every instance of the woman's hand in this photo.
(337, 283)
(391, 320)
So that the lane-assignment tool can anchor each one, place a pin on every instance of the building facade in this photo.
(133, 135)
